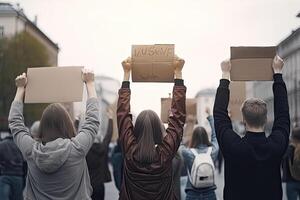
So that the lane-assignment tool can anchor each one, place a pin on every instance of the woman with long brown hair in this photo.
(200, 144)
(147, 172)
(57, 167)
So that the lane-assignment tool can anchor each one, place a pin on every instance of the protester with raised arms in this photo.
(252, 163)
(57, 167)
(199, 160)
(147, 154)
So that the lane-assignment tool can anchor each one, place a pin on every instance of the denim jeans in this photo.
(11, 187)
(292, 190)
(210, 195)
(183, 181)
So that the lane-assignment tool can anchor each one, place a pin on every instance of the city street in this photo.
(111, 193)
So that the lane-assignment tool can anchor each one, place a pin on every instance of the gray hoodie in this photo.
(58, 169)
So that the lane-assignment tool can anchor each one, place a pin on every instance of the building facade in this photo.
(289, 50)
(14, 21)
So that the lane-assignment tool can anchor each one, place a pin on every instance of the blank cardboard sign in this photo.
(191, 108)
(252, 63)
(152, 63)
(54, 84)
(236, 99)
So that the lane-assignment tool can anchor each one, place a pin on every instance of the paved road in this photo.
(111, 193)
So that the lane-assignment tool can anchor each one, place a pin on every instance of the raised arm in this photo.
(281, 127)
(90, 126)
(225, 134)
(20, 133)
(176, 120)
(214, 142)
(124, 118)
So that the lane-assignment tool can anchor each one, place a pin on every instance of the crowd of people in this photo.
(58, 159)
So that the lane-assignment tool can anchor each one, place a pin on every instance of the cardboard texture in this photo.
(252, 63)
(153, 63)
(191, 108)
(236, 99)
(54, 84)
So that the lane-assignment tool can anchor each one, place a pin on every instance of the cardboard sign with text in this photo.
(252, 63)
(191, 108)
(54, 85)
(152, 63)
(236, 99)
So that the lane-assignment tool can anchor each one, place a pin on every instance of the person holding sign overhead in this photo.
(252, 163)
(147, 154)
(57, 167)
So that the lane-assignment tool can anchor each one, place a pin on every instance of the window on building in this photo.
(1, 31)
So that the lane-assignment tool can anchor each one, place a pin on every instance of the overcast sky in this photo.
(99, 34)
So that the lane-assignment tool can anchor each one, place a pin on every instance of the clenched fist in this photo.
(88, 75)
(277, 64)
(21, 80)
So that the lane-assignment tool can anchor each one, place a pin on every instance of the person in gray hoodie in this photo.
(57, 167)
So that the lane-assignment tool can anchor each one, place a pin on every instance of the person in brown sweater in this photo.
(147, 154)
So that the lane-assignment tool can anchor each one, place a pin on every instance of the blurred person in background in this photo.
(117, 164)
(187, 134)
(200, 144)
(12, 170)
(291, 166)
(97, 161)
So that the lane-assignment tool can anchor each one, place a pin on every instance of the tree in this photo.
(17, 53)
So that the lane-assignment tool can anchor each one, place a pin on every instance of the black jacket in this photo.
(11, 159)
(97, 160)
(252, 163)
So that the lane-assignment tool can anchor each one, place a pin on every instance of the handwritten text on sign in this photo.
(157, 52)
(153, 63)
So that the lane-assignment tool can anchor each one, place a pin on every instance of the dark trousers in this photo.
(11, 187)
(99, 192)
(293, 190)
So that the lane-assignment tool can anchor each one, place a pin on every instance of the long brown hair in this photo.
(55, 123)
(199, 137)
(148, 131)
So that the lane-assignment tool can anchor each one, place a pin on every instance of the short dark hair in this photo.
(254, 111)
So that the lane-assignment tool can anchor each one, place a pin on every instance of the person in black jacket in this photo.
(97, 161)
(117, 164)
(292, 183)
(252, 163)
(12, 171)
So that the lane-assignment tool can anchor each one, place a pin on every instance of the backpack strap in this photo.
(209, 150)
(194, 152)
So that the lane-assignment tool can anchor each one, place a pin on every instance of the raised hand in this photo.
(127, 66)
(110, 112)
(277, 64)
(88, 75)
(178, 65)
(226, 67)
(21, 80)
(207, 111)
